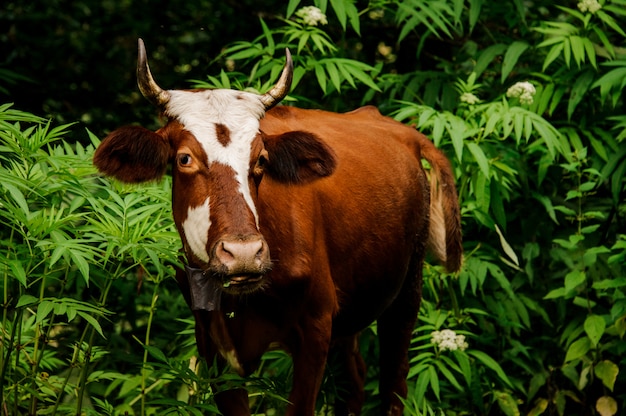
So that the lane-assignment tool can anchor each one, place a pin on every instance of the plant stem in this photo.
(144, 369)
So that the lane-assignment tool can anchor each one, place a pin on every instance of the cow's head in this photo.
(218, 156)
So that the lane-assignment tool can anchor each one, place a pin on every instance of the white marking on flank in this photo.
(196, 228)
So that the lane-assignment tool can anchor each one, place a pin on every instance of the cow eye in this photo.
(260, 164)
(184, 160)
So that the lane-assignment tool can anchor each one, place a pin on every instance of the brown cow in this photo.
(300, 228)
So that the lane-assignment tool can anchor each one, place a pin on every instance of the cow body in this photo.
(307, 228)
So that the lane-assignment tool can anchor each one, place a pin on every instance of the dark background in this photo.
(75, 60)
(79, 56)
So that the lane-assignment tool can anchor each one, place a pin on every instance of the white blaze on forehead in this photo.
(199, 113)
(196, 229)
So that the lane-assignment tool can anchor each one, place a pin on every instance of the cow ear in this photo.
(298, 157)
(133, 154)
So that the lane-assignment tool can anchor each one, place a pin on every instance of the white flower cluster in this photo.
(447, 339)
(311, 16)
(590, 6)
(522, 90)
(469, 98)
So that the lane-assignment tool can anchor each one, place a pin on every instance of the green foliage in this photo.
(526, 99)
(74, 247)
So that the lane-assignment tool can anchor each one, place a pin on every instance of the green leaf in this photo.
(594, 327)
(579, 89)
(43, 310)
(578, 49)
(448, 375)
(573, 279)
(606, 406)
(321, 77)
(422, 384)
(474, 12)
(515, 50)
(464, 364)
(577, 349)
(607, 371)
(18, 197)
(434, 381)
(507, 403)
(81, 263)
(480, 157)
(17, 270)
(291, 7)
(508, 250)
(156, 353)
(610, 22)
(92, 321)
(554, 53)
(555, 293)
(487, 56)
(609, 283)
(491, 364)
(26, 300)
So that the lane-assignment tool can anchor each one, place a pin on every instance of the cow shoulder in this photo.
(133, 154)
(298, 157)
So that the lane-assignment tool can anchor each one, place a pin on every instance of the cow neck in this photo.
(206, 293)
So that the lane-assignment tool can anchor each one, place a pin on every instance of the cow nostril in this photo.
(243, 252)
(226, 251)
(261, 250)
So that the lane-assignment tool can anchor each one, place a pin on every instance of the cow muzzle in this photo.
(240, 263)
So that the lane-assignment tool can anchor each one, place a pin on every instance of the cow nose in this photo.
(242, 256)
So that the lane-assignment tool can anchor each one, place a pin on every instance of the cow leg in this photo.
(353, 367)
(233, 402)
(395, 329)
(309, 361)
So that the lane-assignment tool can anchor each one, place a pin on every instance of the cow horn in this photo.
(148, 87)
(281, 89)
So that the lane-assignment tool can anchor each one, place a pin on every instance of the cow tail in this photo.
(444, 239)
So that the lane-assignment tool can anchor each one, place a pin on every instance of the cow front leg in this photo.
(233, 402)
(309, 354)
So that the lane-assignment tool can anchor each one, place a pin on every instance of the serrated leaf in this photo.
(487, 56)
(514, 51)
(479, 156)
(579, 89)
(491, 364)
(17, 271)
(92, 321)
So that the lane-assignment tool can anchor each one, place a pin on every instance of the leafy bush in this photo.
(531, 117)
(85, 265)
(527, 101)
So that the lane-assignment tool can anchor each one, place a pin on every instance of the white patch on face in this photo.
(196, 229)
(239, 111)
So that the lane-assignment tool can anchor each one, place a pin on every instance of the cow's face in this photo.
(217, 159)
(217, 156)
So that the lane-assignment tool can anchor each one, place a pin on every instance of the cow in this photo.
(300, 228)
